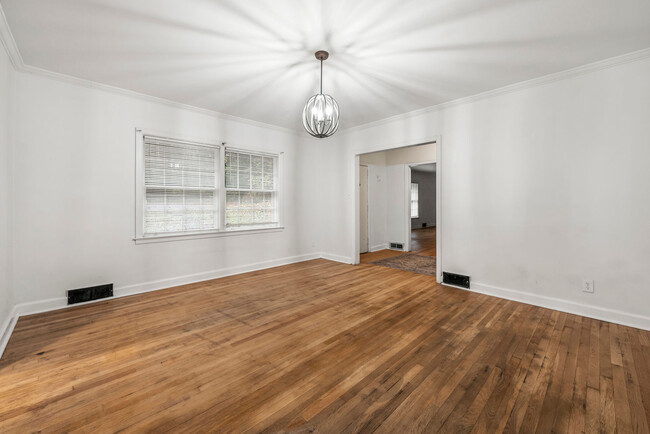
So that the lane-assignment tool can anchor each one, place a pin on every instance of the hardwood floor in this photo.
(423, 242)
(325, 347)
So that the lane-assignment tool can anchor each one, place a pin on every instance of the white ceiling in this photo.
(254, 58)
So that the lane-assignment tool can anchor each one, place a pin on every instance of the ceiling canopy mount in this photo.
(322, 55)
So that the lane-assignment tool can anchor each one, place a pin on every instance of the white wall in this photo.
(412, 154)
(74, 193)
(542, 187)
(377, 204)
(387, 201)
(375, 159)
(6, 291)
(396, 213)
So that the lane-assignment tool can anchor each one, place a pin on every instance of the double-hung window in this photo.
(180, 180)
(415, 201)
(251, 189)
(187, 188)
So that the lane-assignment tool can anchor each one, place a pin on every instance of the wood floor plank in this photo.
(607, 410)
(543, 381)
(640, 416)
(321, 346)
(579, 398)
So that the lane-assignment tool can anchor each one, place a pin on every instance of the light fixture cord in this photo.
(321, 76)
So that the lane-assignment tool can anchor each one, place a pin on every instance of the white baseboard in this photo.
(336, 258)
(378, 247)
(7, 328)
(591, 311)
(209, 275)
(155, 285)
(40, 306)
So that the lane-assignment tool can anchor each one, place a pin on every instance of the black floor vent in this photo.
(398, 246)
(90, 293)
(455, 279)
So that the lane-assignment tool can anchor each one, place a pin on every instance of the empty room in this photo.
(308, 216)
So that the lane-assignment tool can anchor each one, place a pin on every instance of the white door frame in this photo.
(439, 211)
(408, 201)
(367, 209)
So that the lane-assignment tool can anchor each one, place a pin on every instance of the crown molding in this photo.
(11, 48)
(148, 98)
(9, 43)
(589, 68)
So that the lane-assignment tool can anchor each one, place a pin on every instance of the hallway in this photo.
(423, 242)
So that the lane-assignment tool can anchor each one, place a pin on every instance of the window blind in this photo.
(180, 186)
(251, 189)
(415, 201)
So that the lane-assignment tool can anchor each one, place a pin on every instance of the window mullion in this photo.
(238, 207)
(220, 184)
(182, 175)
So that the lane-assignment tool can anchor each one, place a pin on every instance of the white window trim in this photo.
(207, 234)
(221, 231)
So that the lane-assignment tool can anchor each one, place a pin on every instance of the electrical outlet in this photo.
(588, 286)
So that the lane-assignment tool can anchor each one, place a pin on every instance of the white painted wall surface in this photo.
(412, 154)
(74, 193)
(542, 187)
(6, 291)
(396, 212)
(377, 204)
(375, 159)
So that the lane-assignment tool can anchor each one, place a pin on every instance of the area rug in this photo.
(409, 262)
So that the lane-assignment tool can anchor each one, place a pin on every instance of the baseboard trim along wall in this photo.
(590, 311)
(41, 306)
(155, 285)
(600, 313)
(337, 258)
(8, 328)
(378, 247)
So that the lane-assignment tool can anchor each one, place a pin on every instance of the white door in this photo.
(363, 209)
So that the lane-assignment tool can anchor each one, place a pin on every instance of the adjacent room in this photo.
(310, 216)
(397, 208)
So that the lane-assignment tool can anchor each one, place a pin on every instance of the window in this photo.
(251, 190)
(415, 204)
(180, 186)
(196, 189)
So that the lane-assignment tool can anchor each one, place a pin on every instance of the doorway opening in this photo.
(423, 208)
(363, 210)
(397, 208)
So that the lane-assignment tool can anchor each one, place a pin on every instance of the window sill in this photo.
(199, 235)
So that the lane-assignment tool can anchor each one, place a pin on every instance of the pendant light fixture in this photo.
(320, 116)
